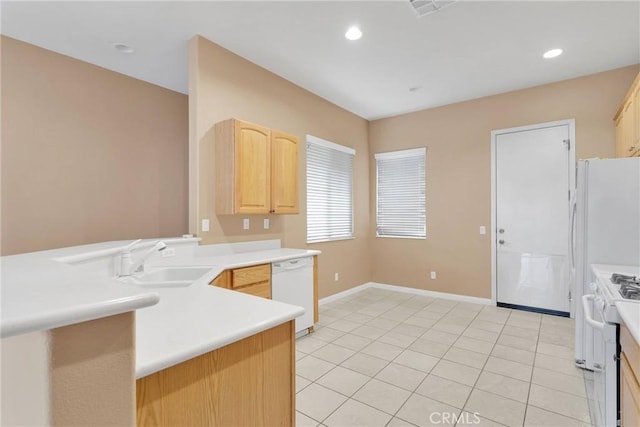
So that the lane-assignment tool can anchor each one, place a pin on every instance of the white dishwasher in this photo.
(292, 283)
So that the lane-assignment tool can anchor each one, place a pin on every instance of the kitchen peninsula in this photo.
(197, 339)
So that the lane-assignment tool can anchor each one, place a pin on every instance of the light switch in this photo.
(205, 225)
(245, 223)
(433, 275)
(266, 223)
(483, 230)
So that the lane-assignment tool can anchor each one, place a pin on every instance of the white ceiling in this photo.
(468, 50)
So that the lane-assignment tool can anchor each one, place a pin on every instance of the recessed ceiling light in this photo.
(415, 88)
(552, 53)
(353, 33)
(123, 48)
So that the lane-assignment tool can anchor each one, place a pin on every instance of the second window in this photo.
(401, 194)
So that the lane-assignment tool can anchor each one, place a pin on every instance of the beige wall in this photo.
(459, 173)
(223, 85)
(24, 380)
(93, 373)
(76, 375)
(88, 154)
(91, 155)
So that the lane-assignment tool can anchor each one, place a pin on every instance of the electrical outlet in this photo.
(168, 252)
(205, 225)
(433, 275)
(266, 223)
(336, 277)
(483, 230)
(245, 223)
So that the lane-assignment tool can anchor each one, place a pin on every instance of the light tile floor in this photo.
(384, 358)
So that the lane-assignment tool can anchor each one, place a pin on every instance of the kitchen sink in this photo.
(167, 277)
(173, 274)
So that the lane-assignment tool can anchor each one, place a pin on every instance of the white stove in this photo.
(628, 286)
(614, 283)
(610, 284)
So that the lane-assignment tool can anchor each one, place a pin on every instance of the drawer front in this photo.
(250, 275)
(260, 290)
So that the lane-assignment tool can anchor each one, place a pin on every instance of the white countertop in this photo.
(40, 293)
(42, 290)
(238, 260)
(630, 314)
(194, 320)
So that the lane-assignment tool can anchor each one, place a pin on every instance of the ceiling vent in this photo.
(426, 7)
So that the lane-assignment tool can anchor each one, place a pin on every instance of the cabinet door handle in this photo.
(632, 148)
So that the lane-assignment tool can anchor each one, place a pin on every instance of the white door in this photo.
(532, 183)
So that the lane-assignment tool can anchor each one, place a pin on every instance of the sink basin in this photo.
(167, 277)
(172, 274)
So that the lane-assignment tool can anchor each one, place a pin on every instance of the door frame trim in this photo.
(572, 188)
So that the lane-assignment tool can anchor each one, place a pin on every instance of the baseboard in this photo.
(434, 294)
(343, 294)
(396, 288)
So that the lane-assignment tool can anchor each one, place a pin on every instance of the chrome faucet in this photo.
(127, 265)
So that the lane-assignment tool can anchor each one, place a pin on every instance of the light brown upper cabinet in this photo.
(256, 169)
(284, 173)
(627, 121)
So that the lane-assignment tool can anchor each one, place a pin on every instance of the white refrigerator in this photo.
(605, 230)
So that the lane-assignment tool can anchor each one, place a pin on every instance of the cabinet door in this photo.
(252, 168)
(636, 121)
(620, 145)
(624, 131)
(262, 290)
(284, 173)
(629, 395)
(629, 127)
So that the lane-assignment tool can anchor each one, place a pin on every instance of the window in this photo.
(329, 191)
(401, 199)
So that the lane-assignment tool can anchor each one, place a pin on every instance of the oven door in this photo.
(605, 363)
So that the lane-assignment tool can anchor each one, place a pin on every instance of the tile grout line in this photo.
(413, 310)
(535, 357)
(367, 382)
(483, 366)
(444, 314)
(394, 415)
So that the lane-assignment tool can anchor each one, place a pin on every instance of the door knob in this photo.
(501, 241)
(501, 230)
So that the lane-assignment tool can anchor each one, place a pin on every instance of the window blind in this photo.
(329, 191)
(401, 194)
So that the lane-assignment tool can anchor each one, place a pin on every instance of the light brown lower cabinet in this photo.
(248, 383)
(254, 280)
(629, 380)
(222, 280)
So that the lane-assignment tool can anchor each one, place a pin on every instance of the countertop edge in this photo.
(47, 321)
(267, 259)
(218, 263)
(180, 357)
